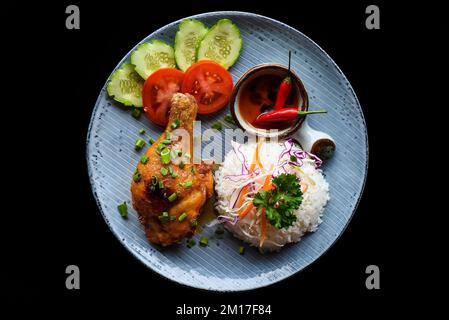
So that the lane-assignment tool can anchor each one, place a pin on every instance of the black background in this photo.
(54, 76)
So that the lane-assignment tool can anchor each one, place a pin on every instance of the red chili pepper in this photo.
(284, 90)
(285, 114)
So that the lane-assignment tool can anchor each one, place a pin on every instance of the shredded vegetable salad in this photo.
(254, 178)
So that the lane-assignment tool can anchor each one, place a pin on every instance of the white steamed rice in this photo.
(308, 214)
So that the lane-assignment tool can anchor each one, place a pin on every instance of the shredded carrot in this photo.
(263, 226)
(266, 186)
(263, 218)
(246, 211)
(256, 155)
(252, 167)
(242, 196)
(267, 183)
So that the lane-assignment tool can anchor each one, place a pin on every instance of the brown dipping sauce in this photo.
(258, 95)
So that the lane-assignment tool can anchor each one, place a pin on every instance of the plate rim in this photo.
(140, 258)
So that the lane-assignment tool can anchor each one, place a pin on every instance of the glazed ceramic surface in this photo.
(112, 160)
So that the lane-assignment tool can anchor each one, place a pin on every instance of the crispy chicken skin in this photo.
(150, 201)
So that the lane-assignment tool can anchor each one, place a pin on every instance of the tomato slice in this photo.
(210, 84)
(157, 92)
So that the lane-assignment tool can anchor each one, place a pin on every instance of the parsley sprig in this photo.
(280, 202)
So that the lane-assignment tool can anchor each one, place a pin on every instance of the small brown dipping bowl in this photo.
(298, 97)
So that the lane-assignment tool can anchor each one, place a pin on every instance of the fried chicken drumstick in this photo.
(169, 196)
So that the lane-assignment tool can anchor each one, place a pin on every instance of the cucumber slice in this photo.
(126, 86)
(151, 56)
(187, 39)
(222, 43)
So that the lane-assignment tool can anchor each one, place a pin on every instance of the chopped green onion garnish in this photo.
(172, 197)
(217, 125)
(186, 184)
(182, 217)
(191, 243)
(182, 164)
(229, 119)
(192, 169)
(164, 171)
(166, 141)
(194, 223)
(144, 159)
(142, 131)
(136, 113)
(204, 241)
(172, 172)
(293, 158)
(139, 144)
(165, 156)
(242, 250)
(123, 210)
(164, 216)
(152, 141)
(153, 185)
(219, 231)
(179, 153)
(136, 176)
(172, 218)
(168, 136)
(161, 184)
(153, 180)
(160, 147)
(175, 123)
